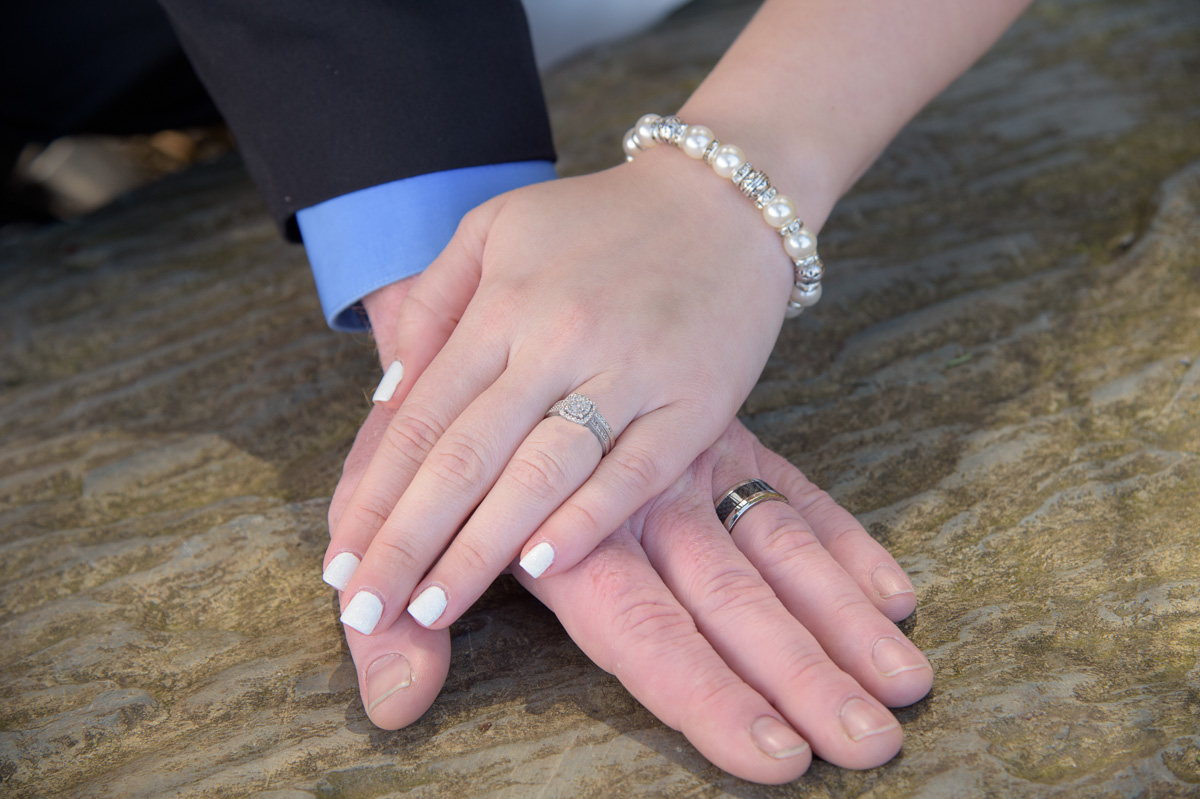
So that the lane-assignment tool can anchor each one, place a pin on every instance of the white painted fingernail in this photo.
(538, 559)
(391, 379)
(428, 606)
(363, 612)
(340, 570)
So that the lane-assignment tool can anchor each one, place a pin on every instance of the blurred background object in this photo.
(95, 99)
(74, 175)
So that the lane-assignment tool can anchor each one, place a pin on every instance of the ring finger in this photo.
(553, 461)
(740, 615)
(819, 593)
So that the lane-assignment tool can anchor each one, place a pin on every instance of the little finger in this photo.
(877, 573)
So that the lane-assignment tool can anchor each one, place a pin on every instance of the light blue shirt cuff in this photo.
(366, 239)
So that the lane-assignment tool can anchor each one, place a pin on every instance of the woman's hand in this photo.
(653, 288)
(763, 647)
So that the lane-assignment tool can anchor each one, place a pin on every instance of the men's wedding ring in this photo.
(741, 498)
(581, 410)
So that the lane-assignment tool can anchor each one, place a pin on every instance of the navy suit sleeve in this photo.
(327, 98)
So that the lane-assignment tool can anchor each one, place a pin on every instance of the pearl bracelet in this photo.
(728, 161)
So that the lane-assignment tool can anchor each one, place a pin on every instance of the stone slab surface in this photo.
(1003, 381)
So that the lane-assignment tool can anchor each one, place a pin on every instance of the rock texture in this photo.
(1003, 381)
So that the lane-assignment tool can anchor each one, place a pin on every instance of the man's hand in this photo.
(762, 647)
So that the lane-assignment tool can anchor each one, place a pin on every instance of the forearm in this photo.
(813, 90)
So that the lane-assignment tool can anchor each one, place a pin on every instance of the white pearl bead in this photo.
(727, 159)
(696, 139)
(630, 144)
(800, 244)
(645, 130)
(792, 312)
(807, 297)
(779, 211)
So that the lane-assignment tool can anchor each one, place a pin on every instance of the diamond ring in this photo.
(581, 410)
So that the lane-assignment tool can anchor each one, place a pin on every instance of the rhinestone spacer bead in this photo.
(710, 151)
(791, 227)
(742, 171)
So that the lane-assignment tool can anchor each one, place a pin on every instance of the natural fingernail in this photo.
(888, 582)
(538, 559)
(391, 379)
(861, 719)
(385, 676)
(892, 656)
(340, 570)
(776, 739)
(428, 606)
(363, 612)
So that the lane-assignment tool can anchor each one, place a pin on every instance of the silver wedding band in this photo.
(742, 497)
(581, 410)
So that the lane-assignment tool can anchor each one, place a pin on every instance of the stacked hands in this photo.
(763, 646)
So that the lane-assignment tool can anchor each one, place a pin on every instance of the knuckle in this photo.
(807, 666)
(844, 537)
(412, 437)
(457, 464)
(396, 555)
(848, 609)
(579, 517)
(649, 616)
(674, 510)
(475, 558)
(635, 467)
(539, 472)
(365, 516)
(733, 591)
(787, 545)
(710, 690)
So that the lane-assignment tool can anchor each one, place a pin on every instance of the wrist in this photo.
(729, 161)
(801, 161)
(722, 222)
(383, 310)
